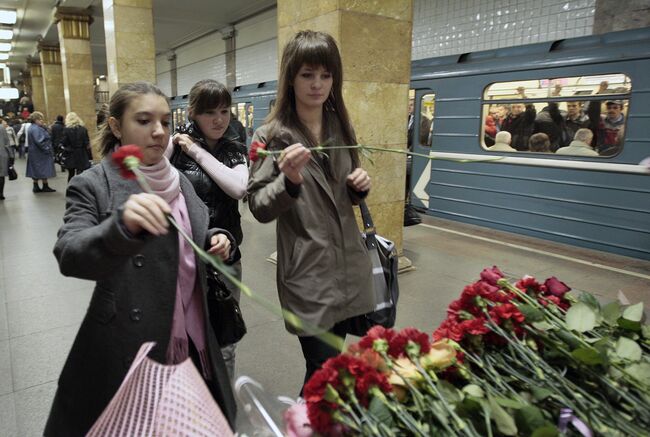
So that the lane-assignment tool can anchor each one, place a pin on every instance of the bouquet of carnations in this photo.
(511, 359)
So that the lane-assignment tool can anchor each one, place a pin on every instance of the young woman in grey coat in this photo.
(150, 286)
(324, 272)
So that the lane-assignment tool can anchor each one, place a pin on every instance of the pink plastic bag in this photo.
(158, 400)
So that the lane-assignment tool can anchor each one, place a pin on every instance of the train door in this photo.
(421, 126)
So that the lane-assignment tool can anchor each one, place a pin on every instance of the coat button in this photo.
(136, 314)
(138, 260)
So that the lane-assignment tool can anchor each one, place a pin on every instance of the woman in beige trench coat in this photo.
(324, 272)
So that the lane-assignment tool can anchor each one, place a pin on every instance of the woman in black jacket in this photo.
(207, 151)
(76, 145)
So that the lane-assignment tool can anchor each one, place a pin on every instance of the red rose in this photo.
(556, 287)
(491, 276)
(120, 156)
(397, 345)
(257, 149)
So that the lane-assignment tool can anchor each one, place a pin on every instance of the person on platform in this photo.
(312, 194)
(40, 160)
(207, 151)
(76, 145)
(150, 285)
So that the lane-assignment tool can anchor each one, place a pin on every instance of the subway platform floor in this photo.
(41, 310)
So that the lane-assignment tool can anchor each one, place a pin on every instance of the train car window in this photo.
(577, 116)
(427, 109)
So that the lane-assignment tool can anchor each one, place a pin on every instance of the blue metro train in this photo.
(600, 82)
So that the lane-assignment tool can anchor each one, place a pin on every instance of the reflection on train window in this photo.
(271, 104)
(579, 116)
(249, 124)
(427, 109)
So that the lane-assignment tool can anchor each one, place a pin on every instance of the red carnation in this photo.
(448, 329)
(556, 287)
(491, 276)
(125, 158)
(505, 312)
(474, 327)
(257, 149)
(397, 345)
(377, 332)
(528, 284)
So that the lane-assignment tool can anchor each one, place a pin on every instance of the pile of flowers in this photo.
(521, 358)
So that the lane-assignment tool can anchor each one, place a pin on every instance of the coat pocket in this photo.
(102, 306)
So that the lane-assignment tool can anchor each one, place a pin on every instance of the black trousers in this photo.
(316, 352)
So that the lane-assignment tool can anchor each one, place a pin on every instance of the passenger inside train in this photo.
(558, 108)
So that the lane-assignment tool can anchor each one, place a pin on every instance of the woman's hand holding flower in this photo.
(146, 212)
(185, 141)
(292, 160)
(220, 246)
(359, 180)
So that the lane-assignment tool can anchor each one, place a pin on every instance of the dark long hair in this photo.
(316, 49)
(208, 94)
(120, 100)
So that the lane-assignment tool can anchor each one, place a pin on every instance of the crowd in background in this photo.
(553, 129)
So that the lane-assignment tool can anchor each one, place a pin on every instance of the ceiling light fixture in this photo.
(5, 47)
(8, 93)
(8, 16)
(4, 56)
(6, 34)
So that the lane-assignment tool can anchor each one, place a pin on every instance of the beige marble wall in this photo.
(610, 16)
(37, 91)
(53, 87)
(130, 46)
(374, 39)
(76, 60)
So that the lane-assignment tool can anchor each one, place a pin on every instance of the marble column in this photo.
(76, 59)
(52, 81)
(130, 45)
(374, 39)
(37, 92)
(614, 15)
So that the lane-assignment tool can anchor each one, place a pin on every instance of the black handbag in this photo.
(383, 256)
(223, 310)
(12, 174)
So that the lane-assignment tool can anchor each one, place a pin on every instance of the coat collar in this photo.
(316, 172)
(120, 189)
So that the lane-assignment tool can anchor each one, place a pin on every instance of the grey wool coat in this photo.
(133, 300)
(324, 274)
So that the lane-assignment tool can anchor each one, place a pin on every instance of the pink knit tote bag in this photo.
(158, 400)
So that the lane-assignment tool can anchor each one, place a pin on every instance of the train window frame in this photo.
(622, 95)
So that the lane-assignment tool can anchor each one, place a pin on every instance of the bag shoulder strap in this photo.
(368, 225)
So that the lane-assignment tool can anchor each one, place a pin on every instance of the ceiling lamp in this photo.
(4, 56)
(8, 93)
(5, 47)
(8, 16)
(6, 34)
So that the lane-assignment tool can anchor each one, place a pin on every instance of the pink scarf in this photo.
(189, 319)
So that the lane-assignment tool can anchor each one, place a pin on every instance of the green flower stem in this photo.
(398, 410)
(562, 385)
(460, 423)
(362, 148)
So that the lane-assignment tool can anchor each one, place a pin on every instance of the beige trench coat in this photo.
(324, 274)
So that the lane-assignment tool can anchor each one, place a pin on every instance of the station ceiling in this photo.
(176, 22)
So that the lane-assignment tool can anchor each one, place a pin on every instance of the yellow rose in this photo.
(403, 368)
(441, 356)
